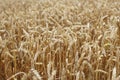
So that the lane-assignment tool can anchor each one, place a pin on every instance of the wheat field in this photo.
(59, 39)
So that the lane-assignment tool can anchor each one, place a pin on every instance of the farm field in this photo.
(59, 39)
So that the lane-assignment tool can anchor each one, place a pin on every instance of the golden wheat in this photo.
(59, 40)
